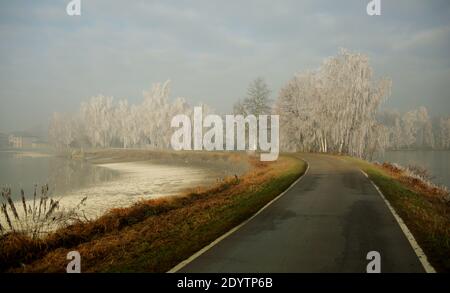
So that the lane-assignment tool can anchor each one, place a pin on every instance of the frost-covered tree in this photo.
(443, 133)
(123, 124)
(333, 109)
(62, 130)
(153, 112)
(411, 130)
(258, 98)
(97, 115)
(103, 123)
(257, 102)
(425, 137)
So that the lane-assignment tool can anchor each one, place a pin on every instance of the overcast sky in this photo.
(210, 50)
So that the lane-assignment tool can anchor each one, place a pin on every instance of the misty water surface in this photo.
(106, 186)
(24, 169)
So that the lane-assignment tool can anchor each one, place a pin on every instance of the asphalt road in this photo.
(327, 222)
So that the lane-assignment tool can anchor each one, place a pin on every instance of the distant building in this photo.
(21, 140)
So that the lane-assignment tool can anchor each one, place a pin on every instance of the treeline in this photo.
(336, 109)
(102, 123)
(333, 109)
(415, 130)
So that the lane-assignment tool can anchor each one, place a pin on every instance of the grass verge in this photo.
(425, 212)
(155, 235)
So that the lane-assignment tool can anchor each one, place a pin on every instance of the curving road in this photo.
(327, 222)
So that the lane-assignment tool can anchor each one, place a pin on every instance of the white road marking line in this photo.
(212, 244)
(416, 247)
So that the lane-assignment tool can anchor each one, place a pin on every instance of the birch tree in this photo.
(443, 133)
(61, 131)
(103, 123)
(333, 109)
(97, 114)
(411, 130)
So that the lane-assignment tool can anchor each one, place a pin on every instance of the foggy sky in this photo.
(210, 50)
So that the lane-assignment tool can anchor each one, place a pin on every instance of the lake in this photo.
(106, 186)
(437, 162)
(24, 169)
(114, 185)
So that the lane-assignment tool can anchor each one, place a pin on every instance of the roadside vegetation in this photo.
(154, 235)
(36, 217)
(423, 206)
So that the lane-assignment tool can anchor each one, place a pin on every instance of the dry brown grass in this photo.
(417, 182)
(154, 235)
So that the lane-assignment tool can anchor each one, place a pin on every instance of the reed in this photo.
(39, 216)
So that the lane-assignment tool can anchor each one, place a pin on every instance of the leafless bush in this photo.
(419, 177)
(421, 172)
(38, 216)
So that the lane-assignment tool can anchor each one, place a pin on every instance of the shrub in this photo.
(37, 217)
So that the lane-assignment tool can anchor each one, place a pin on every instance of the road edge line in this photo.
(232, 230)
(412, 241)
